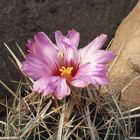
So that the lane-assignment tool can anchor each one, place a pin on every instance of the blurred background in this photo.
(21, 19)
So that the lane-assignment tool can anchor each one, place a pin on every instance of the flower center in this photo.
(66, 72)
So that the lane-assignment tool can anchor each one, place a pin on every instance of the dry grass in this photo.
(87, 114)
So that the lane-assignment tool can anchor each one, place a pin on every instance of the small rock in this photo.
(126, 69)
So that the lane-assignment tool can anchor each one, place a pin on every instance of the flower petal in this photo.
(87, 52)
(90, 73)
(102, 56)
(62, 89)
(43, 40)
(47, 48)
(80, 82)
(74, 37)
(92, 69)
(41, 86)
(69, 57)
(49, 85)
(30, 43)
(35, 68)
(43, 50)
(97, 43)
(66, 47)
(59, 37)
(103, 80)
(46, 85)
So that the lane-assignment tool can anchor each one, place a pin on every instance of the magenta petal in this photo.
(103, 56)
(80, 82)
(30, 43)
(42, 53)
(62, 89)
(69, 56)
(97, 43)
(91, 73)
(43, 40)
(66, 48)
(59, 37)
(92, 69)
(103, 80)
(46, 48)
(74, 37)
(49, 85)
(34, 67)
(83, 77)
(27, 69)
(46, 85)
(62, 42)
(71, 40)
(42, 86)
(67, 42)
(87, 53)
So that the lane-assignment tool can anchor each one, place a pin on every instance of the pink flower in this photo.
(57, 67)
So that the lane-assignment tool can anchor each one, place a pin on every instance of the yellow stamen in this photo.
(66, 72)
